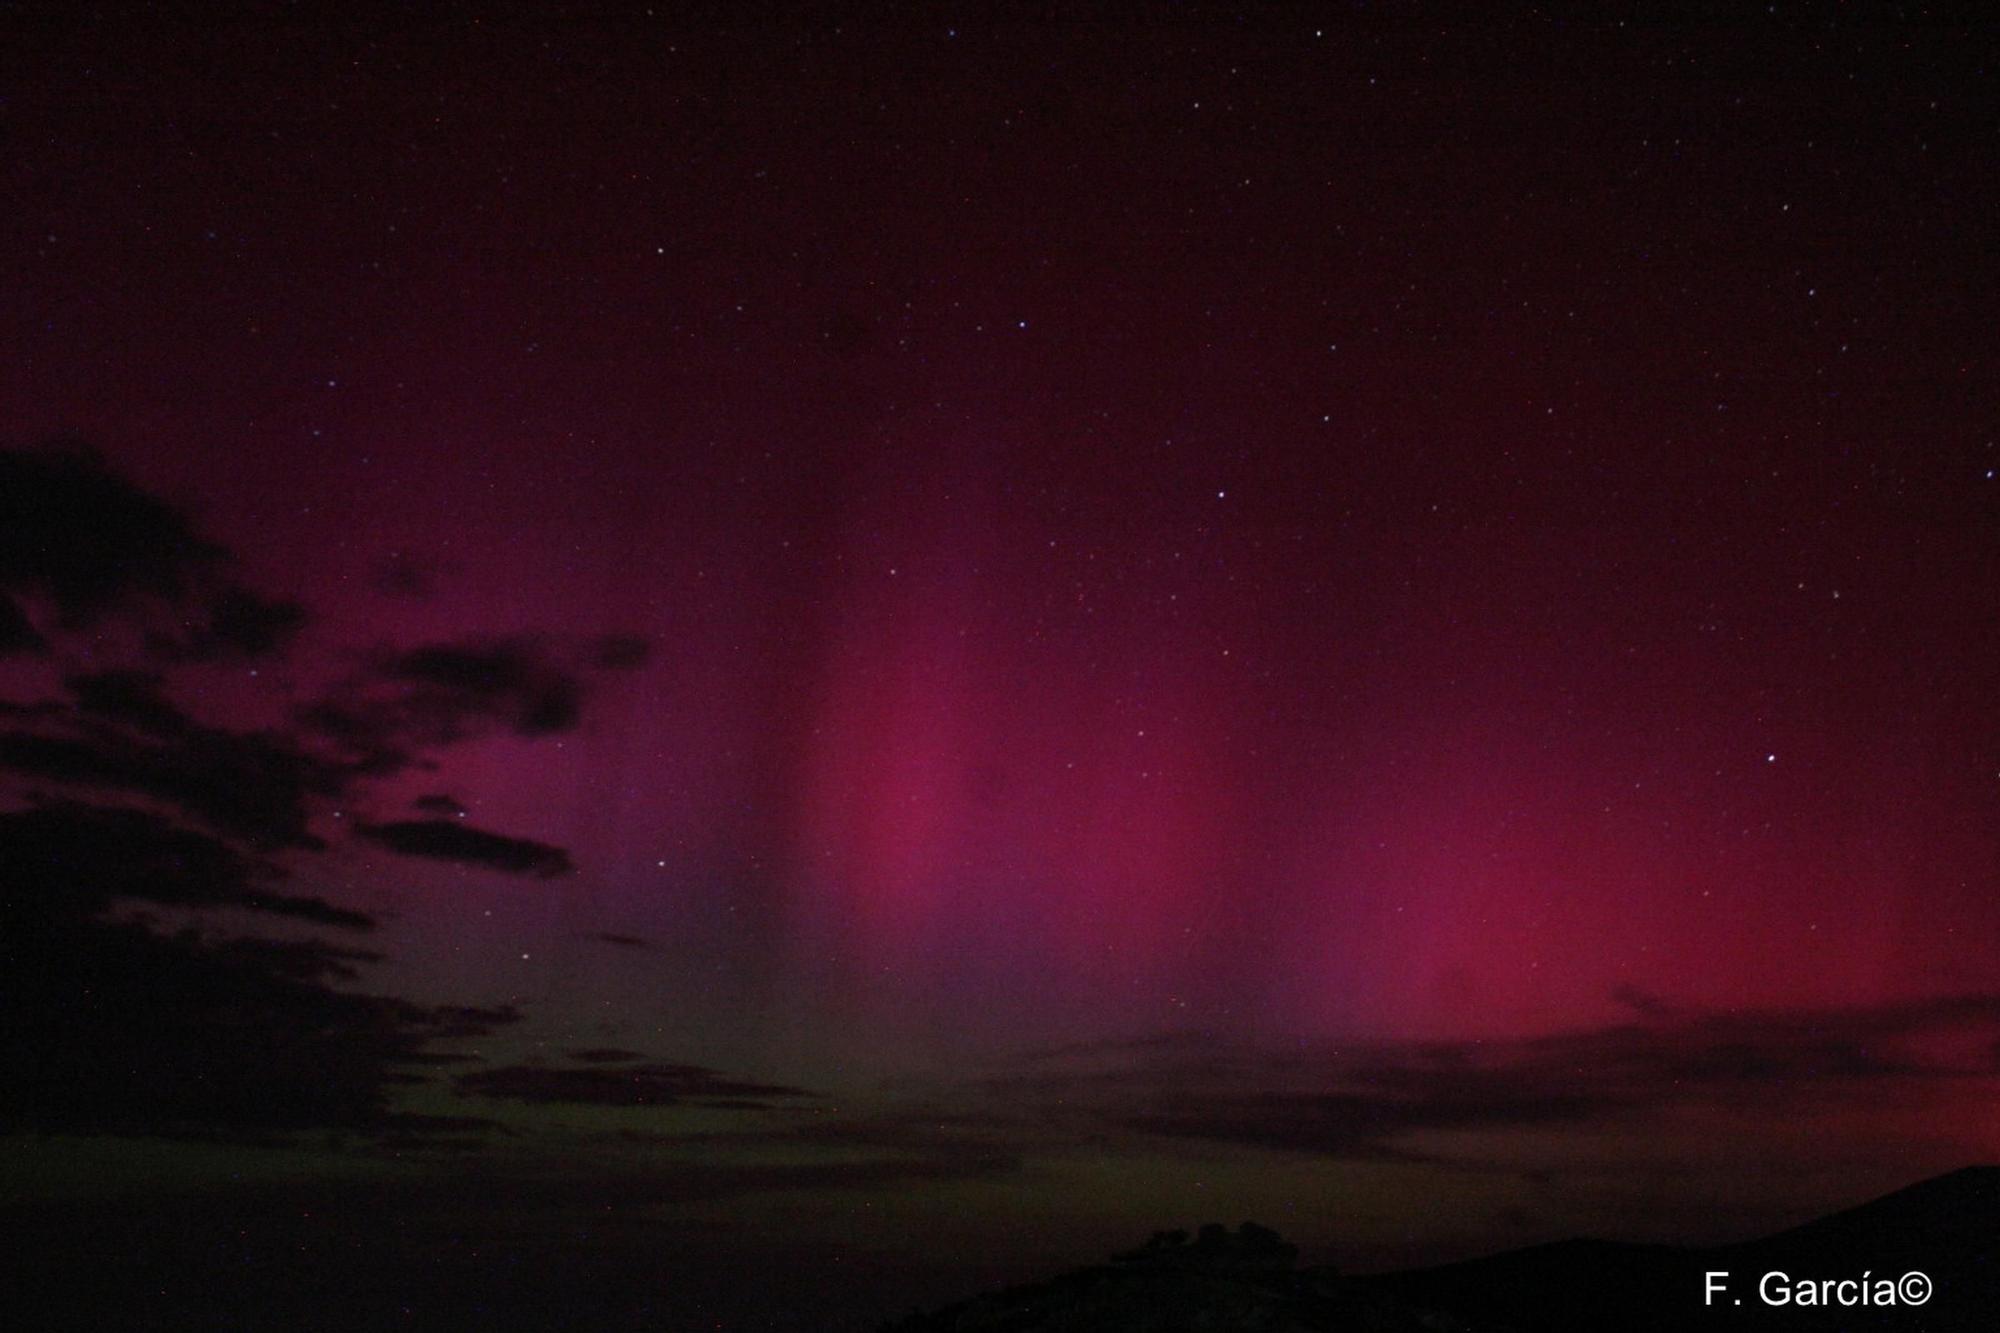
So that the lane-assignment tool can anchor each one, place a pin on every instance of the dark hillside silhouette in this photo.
(1946, 1227)
(1247, 1282)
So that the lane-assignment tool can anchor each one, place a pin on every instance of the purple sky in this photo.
(1015, 630)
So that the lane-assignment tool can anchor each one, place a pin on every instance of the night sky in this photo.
(923, 647)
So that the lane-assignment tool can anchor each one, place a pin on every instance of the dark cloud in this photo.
(449, 840)
(67, 863)
(1740, 1053)
(368, 740)
(124, 736)
(1363, 1100)
(404, 575)
(243, 624)
(113, 1025)
(1362, 1125)
(727, 1181)
(605, 1055)
(438, 803)
(300, 960)
(1643, 1003)
(637, 1085)
(506, 680)
(383, 718)
(88, 540)
(137, 1032)
(130, 697)
(17, 632)
(90, 544)
(316, 910)
(622, 652)
(404, 703)
(458, 1022)
(128, 821)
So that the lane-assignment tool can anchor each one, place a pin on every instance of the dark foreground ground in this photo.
(348, 1263)
(1946, 1230)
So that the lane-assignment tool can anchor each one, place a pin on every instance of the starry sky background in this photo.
(928, 646)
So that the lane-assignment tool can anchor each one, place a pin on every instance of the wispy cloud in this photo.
(1366, 1100)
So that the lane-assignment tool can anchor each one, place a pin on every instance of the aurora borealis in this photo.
(925, 644)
